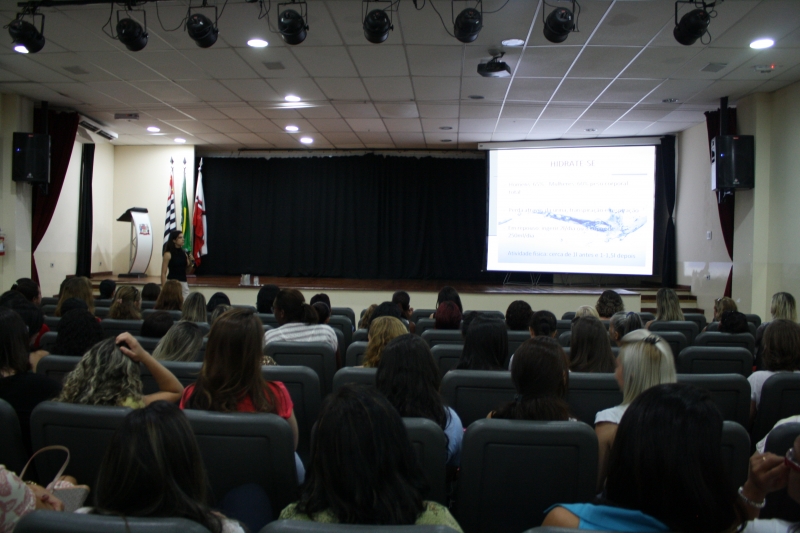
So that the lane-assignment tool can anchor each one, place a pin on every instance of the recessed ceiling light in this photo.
(153, 129)
(447, 140)
(590, 130)
(670, 101)
(180, 140)
(476, 97)
(306, 140)
(291, 128)
(445, 127)
(292, 98)
(759, 44)
(257, 43)
(21, 49)
(512, 42)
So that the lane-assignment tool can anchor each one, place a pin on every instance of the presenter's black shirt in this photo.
(176, 268)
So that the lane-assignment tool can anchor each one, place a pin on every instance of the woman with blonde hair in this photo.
(171, 297)
(194, 308)
(644, 361)
(78, 287)
(127, 303)
(668, 306)
(381, 331)
(723, 305)
(181, 343)
(783, 307)
(586, 310)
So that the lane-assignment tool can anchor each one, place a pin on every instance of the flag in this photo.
(169, 222)
(199, 218)
(186, 223)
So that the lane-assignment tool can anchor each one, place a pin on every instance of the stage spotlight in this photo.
(131, 34)
(292, 27)
(26, 38)
(558, 25)
(468, 25)
(200, 28)
(693, 26)
(377, 26)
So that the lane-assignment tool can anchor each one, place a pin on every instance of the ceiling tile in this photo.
(580, 90)
(253, 90)
(342, 88)
(123, 91)
(628, 91)
(389, 89)
(437, 111)
(522, 111)
(402, 125)
(343, 138)
(259, 125)
(376, 139)
(190, 126)
(517, 125)
(480, 111)
(226, 126)
(329, 61)
(327, 125)
(209, 90)
(436, 124)
(220, 63)
(244, 112)
(436, 88)
(408, 140)
(202, 112)
(472, 125)
(533, 89)
(434, 60)
(305, 88)
(602, 61)
(319, 111)
(489, 88)
(356, 110)
(546, 61)
(366, 124)
(380, 61)
(397, 110)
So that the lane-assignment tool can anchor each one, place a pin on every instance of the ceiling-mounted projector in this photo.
(494, 68)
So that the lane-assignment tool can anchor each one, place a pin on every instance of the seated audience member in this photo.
(781, 353)
(585, 310)
(157, 325)
(409, 378)
(447, 316)
(108, 374)
(18, 499)
(77, 287)
(20, 387)
(31, 314)
(321, 297)
(29, 289)
(219, 310)
(171, 297)
(181, 343)
(518, 315)
(323, 312)
(153, 468)
(782, 307)
(466, 322)
(721, 305)
(540, 372)
(449, 294)
(127, 304)
(623, 323)
(194, 308)
(385, 487)
(367, 316)
(402, 300)
(230, 380)
(661, 478)
(543, 324)
(150, 292)
(590, 347)
(382, 330)
(668, 307)
(609, 304)
(107, 289)
(640, 365)
(71, 304)
(266, 295)
(485, 346)
(386, 309)
(733, 322)
(218, 298)
(78, 331)
(298, 322)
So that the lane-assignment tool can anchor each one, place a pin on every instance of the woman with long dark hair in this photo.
(590, 347)
(409, 378)
(175, 262)
(485, 345)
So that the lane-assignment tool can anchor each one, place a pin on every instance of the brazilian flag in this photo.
(186, 219)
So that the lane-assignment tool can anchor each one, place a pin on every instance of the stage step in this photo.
(687, 299)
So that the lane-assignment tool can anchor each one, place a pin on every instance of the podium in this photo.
(141, 247)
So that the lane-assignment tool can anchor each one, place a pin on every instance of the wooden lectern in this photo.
(141, 248)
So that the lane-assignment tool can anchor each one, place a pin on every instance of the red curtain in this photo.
(725, 208)
(62, 128)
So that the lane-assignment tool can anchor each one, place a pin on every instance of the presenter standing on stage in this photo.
(176, 263)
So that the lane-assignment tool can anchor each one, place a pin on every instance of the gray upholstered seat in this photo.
(442, 336)
(423, 325)
(176, 315)
(345, 325)
(473, 394)
(430, 445)
(676, 339)
(317, 356)
(48, 341)
(715, 338)
(779, 504)
(56, 367)
(715, 360)
(780, 398)
(592, 392)
(297, 526)
(698, 318)
(349, 374)
(447, 356)
(50, 522)
(113, 327)
(730, 392)
(735, 452)
(355, 353)
(303, 386)
(12, 449)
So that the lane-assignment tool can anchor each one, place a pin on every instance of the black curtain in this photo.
(84, 261)
(370, 216)
(665, 194)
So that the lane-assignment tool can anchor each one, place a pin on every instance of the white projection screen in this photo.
(572, 209)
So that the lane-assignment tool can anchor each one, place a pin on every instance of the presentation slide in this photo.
(572, 210)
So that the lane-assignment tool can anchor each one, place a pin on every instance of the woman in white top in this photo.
(781, 353)
(644, 361)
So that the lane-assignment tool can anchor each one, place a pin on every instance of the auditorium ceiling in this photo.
(617, 76)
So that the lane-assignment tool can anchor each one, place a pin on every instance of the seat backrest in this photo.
(268, 319)
(52, 322)
(687, 327)
(442, 336)
(715, 338)
(421, 313)
(245, 306)
(317, 356)
(751, 327)
(113, 327)
(41, 521)
(779, 504)
(49, 300)
(512, 470)
(345, 325)
(101, 312)
(360, 335)
(697, 318)
(241, 448)
(735, 452)
(56, 367)
(344, 311)
(715, 360)
(49, 309)
(350, 374)
(569, 315)
(176, 315)
(12, 449)
(494, 315)
(148, 343)
(730, 392)
(565, 339)
(423, 325)
(780, 398)
(205, 327)
(103, 302)
(447, 357)
(148, 304)
(753, 319)
(676, 340)
(355, 353)
(186, 373)
(48, 341)
(589, 393)
(473, 394)
(301, 526)
(85, 430)
(562, 326)
(430, 446)
(303, 386)
(646, 317)
(515, 340)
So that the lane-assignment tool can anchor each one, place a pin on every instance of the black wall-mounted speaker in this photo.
(733, 162)
(30, 160)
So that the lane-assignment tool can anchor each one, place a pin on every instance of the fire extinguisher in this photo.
(2, 243)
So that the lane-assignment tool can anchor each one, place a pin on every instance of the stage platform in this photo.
(359, 294)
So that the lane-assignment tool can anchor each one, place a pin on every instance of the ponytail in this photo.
(310, 315)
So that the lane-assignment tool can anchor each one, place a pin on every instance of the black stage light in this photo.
(560, 22)
(292, 27)
(26, 38)
(200, 28)
(377, 26)
(131, 34)
(468, 25)
(693, 26)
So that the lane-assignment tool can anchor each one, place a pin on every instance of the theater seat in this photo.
(52, 322)
(493, 315)
(646, 317)
(515, 340)
(344, 311)
(569, 315)
(779, 504)
(113, 327)
(730, 392)
(780, 398)
(148, 343)
(752, 328)
(101, 312)
(268, 319)
(753, 319)
(298, 526)
(317, 356)
(186, 373)
(565, 339)
(303, 386)
(349, 374)
(176, 315)
(442, 336)
(697, 318)
(735, 452)
(473, 394)
(562, 326)
(345, 325)
(589, 393)
(715, 338)
(12, 450)
(512, 470)
(423, 325)
(430, 445)
(360, 335)
(355, 353)
(447, 357)
(48, 341)
(50, 522)
(56, 367)
(148, 304)
(676, 340)
(49, 309)
(715, 360)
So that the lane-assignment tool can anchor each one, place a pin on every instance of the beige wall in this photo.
(103, 206)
